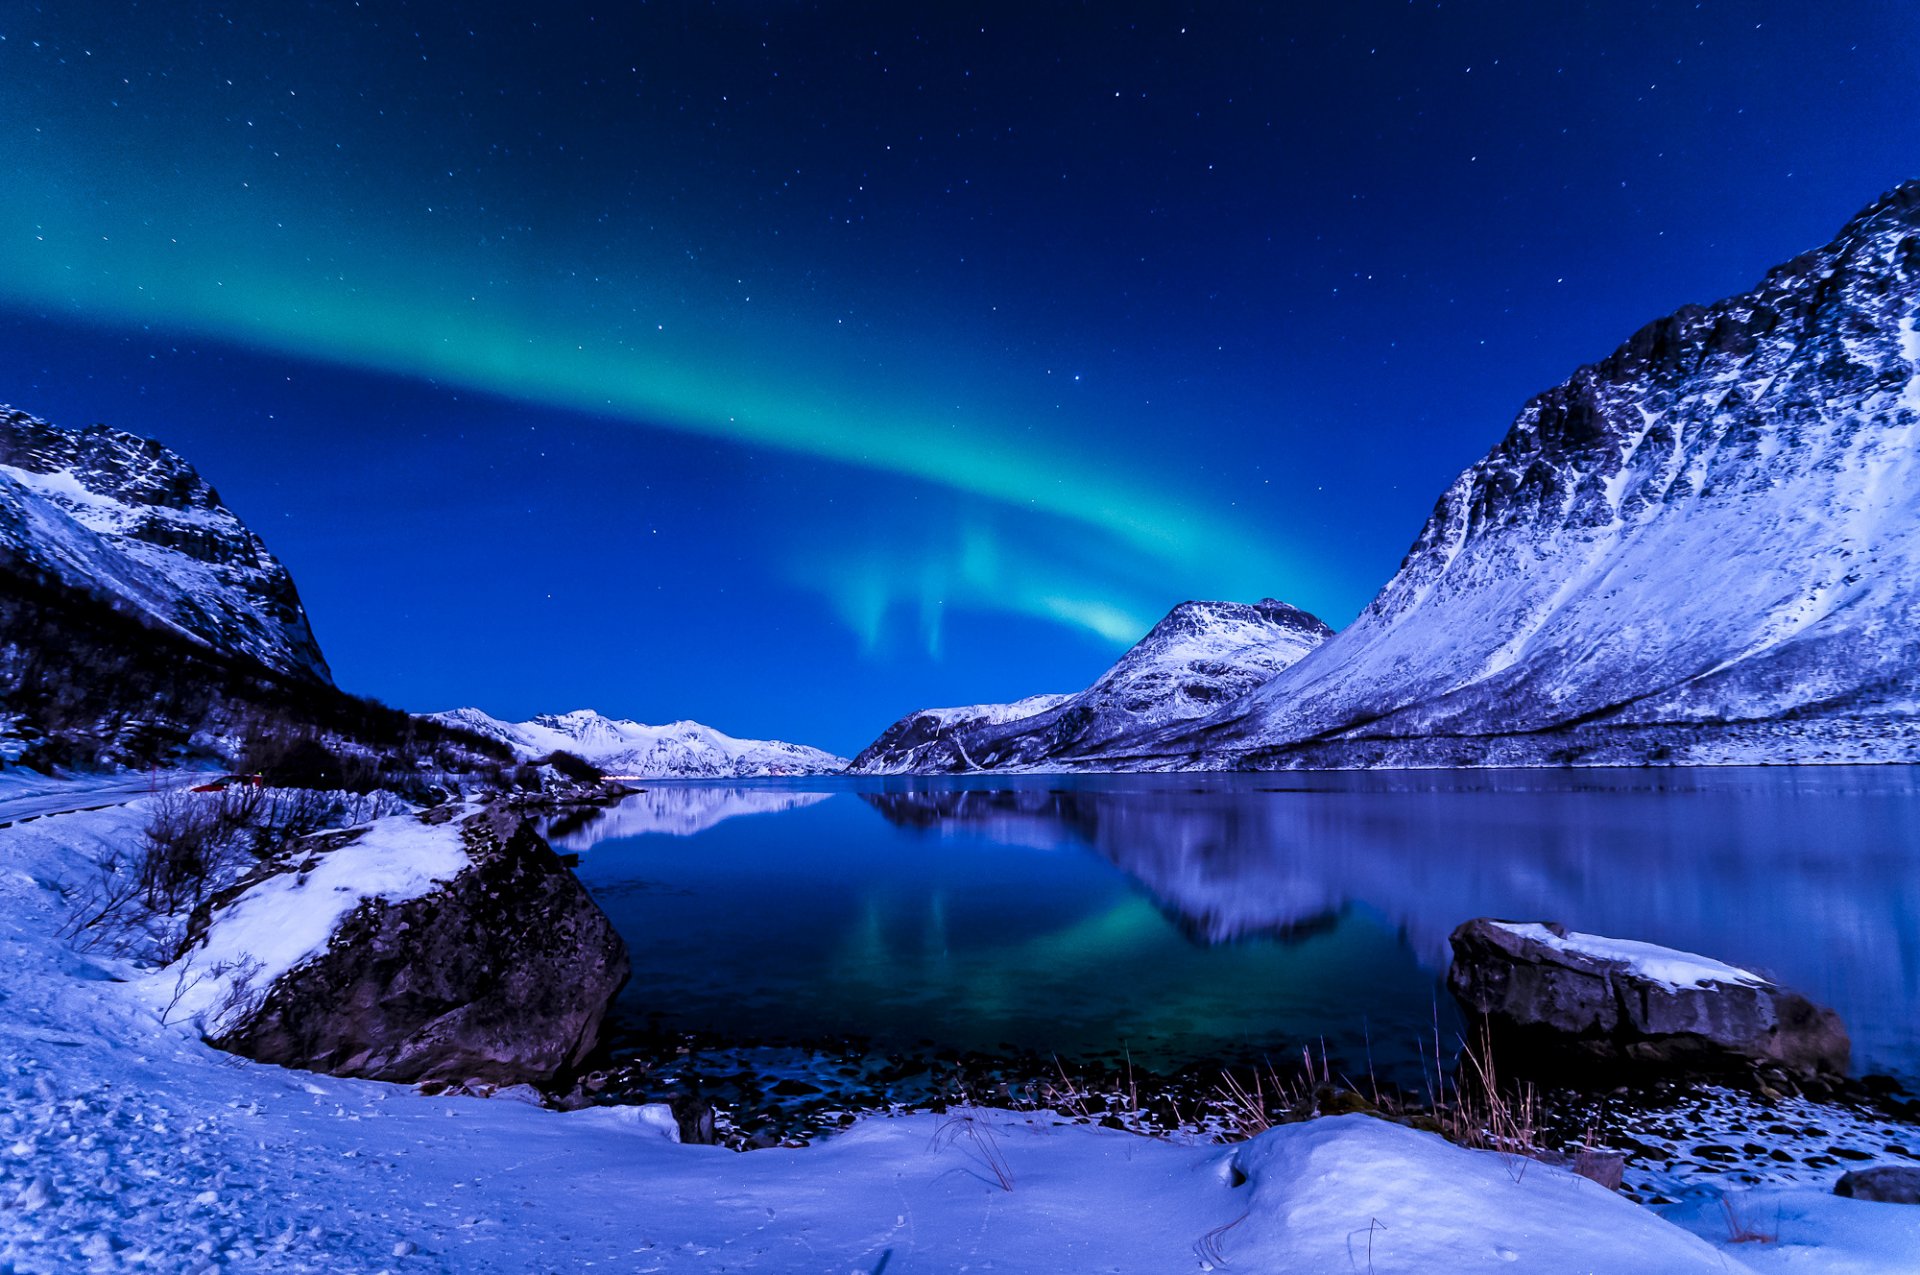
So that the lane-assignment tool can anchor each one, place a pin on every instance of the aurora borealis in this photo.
(789, 366)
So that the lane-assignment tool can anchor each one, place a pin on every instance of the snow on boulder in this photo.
(451, 947)
(1355, 1193)
(1615, 999)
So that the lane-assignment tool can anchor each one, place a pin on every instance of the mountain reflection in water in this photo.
(1811, 875)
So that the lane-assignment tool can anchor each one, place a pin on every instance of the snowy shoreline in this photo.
(126, 1144)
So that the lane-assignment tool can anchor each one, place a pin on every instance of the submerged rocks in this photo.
(1616, 1000)
(498, 968)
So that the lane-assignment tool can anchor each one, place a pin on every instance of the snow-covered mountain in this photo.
(1202, 655)
(125, 520)
(1705, 548)
(678, 750)
(902, 745)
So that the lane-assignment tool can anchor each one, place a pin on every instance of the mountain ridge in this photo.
(635, 750)
(130, 520)
(1199, 655)
(1703, 547)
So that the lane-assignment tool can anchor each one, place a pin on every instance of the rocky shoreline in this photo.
(1760, 1126)
(1754, 1095)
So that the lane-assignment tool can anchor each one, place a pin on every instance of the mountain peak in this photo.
(127, 519)
(1706, 546)
(1200, 655)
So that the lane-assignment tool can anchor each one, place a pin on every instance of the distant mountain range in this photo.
(678, 750)
(1202, 655)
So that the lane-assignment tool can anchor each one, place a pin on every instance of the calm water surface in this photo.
(1194, 918)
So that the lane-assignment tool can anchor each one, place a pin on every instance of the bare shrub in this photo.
(104, 905)
(177, 851)
(241, 997)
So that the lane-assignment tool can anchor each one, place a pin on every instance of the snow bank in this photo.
(1353, 1193)
(1665, 965)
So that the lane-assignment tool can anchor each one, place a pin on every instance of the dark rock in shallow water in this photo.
(1609, 1000)
(502, 974)
(695, 1117)
(1888, 1184)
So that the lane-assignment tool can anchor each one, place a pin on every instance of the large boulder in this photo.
(455, 951)
(1615, 1000)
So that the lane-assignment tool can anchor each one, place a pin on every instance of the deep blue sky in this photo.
(791, 366)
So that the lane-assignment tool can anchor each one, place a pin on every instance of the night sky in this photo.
(792, 366)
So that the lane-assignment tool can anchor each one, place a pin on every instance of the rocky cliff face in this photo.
(678, 750)
(129, 521)
(1704, 548)
(1201, 656)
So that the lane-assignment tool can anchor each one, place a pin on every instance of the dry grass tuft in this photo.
(980, 1136)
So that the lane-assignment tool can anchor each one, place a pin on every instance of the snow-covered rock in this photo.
(1619, 999)
(1202, 655)
(632, 750)
(127, 520)
(453, 950)
(1705, 548)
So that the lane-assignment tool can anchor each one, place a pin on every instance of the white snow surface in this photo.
(129, 1145)
(634, 750)
(1664, 965)
(285, 920)
(993, 714)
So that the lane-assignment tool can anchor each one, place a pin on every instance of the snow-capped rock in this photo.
(1202, 655)
(1605, 1000)
(629, 749)
(129, 521)
(1705, 548)
(453, 950)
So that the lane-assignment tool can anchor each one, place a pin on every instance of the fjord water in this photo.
(1188, 919)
